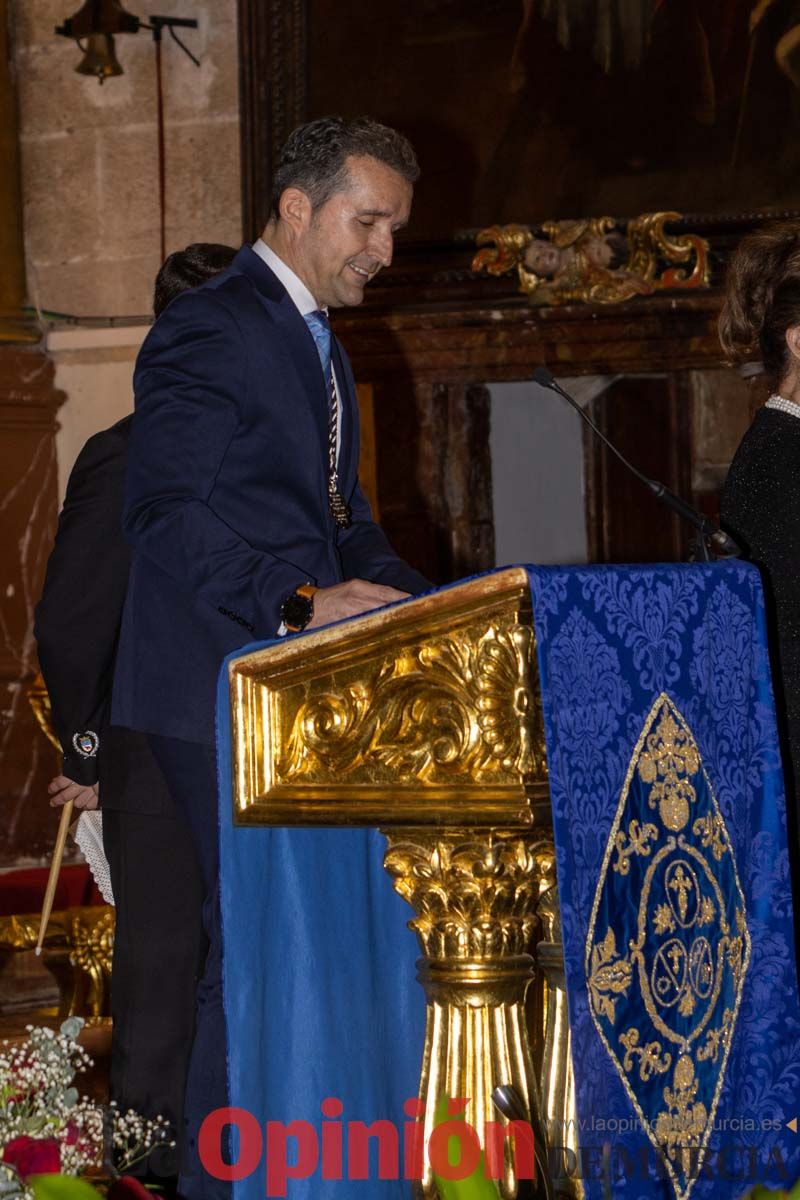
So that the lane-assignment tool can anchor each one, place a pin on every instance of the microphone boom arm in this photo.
(706, 528)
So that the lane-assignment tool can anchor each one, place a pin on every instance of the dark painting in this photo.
(522, 110)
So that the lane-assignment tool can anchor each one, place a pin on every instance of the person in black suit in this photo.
(159, 945)
(760, 320)
(243, 502)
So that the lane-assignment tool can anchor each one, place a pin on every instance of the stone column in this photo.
(13, 328)
(28, 508)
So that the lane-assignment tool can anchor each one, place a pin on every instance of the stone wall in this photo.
(90, 155)
(722, 407)
(94, 369)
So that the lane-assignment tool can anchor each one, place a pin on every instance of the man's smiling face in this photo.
(351, 236)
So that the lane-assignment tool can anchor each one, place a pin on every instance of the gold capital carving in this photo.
(425, 720)
(475, 894)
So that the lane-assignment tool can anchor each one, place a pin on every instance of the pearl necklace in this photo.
(783, 405)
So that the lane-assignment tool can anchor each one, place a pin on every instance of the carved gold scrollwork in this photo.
(451, 708)
(596, 260)
(425, 721)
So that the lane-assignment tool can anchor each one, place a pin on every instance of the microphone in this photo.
(722, 543)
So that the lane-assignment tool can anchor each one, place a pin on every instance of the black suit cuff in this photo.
(80, 770)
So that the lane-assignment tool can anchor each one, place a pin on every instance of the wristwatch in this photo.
(298, 608)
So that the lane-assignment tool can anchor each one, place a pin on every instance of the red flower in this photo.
(128, 1188)
(33, 1156)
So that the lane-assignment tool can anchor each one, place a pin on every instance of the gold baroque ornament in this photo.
(595, 261)
(425, 713)
(78, 950)
(473, 896)
(480, 901)
(451, 708)
(92, 952)
(425, 721)
(668, 1000)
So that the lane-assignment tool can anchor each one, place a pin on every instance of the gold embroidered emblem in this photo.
(611, 975)
(668, 936)
(636, 841)
(682, 1126)
(670, 759)
(650, 1060)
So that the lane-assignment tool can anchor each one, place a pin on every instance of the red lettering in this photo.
(278, 1168)
(494, 1140)
(358, 1135)
(439, 1149)
(331, 1139)
(209, 1143)
(414, 1140)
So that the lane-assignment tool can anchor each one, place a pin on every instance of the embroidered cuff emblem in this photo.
(86, 743)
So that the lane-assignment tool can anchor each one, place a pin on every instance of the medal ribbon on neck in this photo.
(317, 322)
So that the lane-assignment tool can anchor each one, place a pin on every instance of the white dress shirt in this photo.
(304, 303)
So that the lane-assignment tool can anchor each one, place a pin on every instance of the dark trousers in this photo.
(190, 771)
(159, 950)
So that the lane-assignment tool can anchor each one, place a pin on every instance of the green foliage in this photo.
(764, 1193)
(476, 1186)
(61, 1187)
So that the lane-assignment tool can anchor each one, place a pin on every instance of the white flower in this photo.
(38, 1099)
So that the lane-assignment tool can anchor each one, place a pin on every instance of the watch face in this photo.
(297, 611)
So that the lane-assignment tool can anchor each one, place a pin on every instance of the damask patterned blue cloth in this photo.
(673, 873)
(321, 998)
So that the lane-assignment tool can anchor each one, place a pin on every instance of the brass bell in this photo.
(99, 58)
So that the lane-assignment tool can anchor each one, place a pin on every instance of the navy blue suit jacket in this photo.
(226, 496)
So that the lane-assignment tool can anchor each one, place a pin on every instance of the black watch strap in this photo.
(298, 608)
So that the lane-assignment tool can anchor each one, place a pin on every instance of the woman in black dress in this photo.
(760, 319)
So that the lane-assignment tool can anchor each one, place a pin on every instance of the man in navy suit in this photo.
(243, 503)
(157, 910)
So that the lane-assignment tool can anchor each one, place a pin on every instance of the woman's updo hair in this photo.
(762, 297)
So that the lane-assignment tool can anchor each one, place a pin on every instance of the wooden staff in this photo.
(55, 868)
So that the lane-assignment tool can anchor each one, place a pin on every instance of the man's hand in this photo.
(350, 598)
(82, 795)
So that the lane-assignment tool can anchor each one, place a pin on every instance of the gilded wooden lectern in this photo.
(425, 720)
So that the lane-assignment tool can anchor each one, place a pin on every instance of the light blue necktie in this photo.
(317, 322)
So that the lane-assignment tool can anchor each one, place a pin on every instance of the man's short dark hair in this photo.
(314, 157)
(185, 269)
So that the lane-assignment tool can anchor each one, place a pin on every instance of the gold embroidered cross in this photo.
(681, 884)
(675, 954)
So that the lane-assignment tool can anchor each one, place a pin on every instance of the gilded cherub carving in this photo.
(592, 260)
